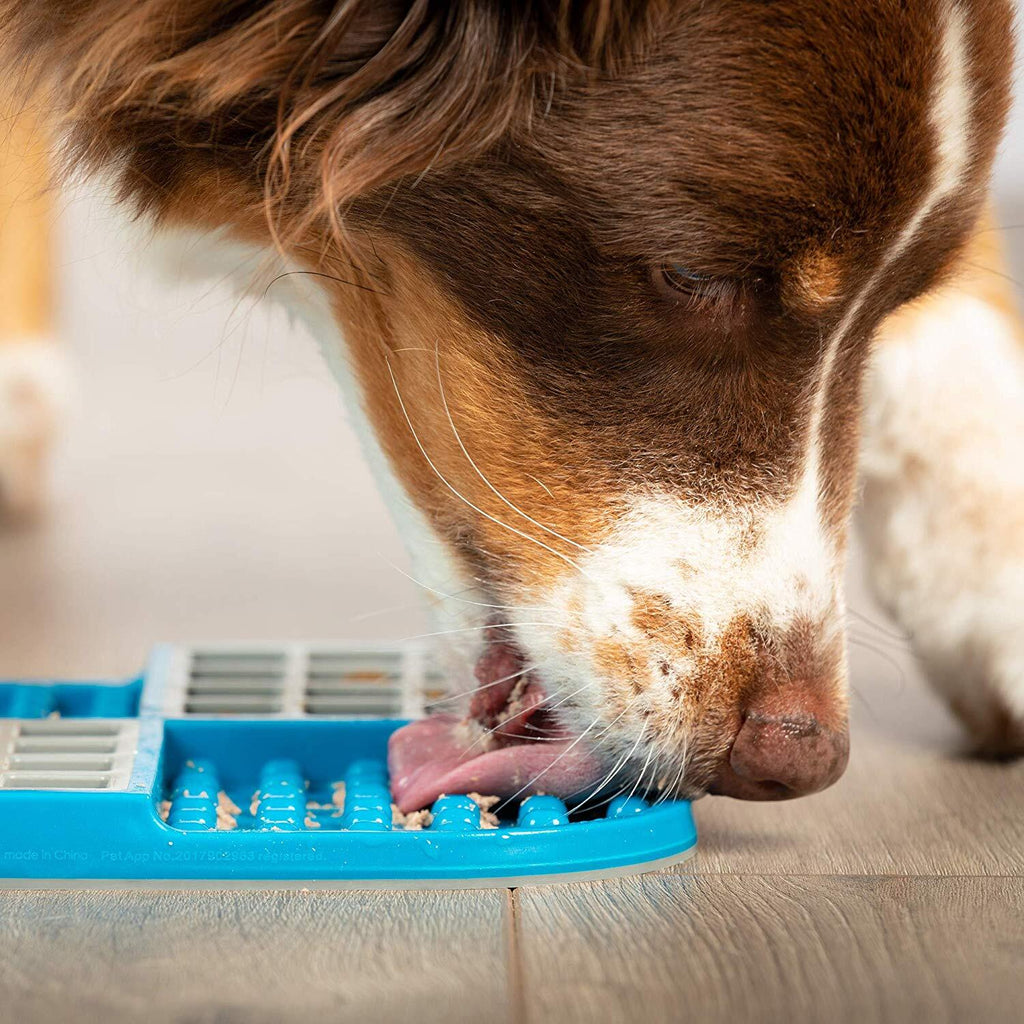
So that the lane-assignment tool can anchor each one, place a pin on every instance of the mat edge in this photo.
(342, 884)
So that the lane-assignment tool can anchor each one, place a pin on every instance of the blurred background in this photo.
(208, 486)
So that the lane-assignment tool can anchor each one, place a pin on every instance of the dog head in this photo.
(607, 273)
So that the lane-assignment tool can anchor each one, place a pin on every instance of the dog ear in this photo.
(310, 104)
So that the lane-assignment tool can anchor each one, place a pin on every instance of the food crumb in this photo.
(254, 804)
(227, 804)
(414, 821)
(488, 819)
(227, 811)
(310, 822)
(338, 796)
(165, 809)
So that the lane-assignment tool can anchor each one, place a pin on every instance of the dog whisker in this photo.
(464, 600)
(476, 629)
(615, 769)
(463, 695)
(885, 656)
(462, 497)
(643, 771)
(540, 704)
(522, 789)
(480, 473)
(868, 621)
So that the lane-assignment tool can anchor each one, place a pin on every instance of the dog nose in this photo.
(777, 756)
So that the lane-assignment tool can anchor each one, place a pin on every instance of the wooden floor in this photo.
(898, 895)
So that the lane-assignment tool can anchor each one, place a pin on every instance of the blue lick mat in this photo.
(266, 767)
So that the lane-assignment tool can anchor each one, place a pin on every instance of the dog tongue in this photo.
(498, 750)
(436, 755)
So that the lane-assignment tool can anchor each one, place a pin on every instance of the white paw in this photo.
(976, 662)
(995, 726)
(943, 508)
(34, 392)
(962, 604)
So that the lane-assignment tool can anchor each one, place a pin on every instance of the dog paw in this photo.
(33, 401)
(983, 683)
(950, 569)
(995, 726)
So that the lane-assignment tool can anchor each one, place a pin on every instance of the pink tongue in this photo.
(502, 748)
(439, 755)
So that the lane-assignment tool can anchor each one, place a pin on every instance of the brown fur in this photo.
(492, 193)
(980, 270)
(473, 138)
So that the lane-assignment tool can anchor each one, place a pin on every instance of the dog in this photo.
(625, 291)
(34, 386)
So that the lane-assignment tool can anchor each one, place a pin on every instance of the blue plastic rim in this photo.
(239, 800)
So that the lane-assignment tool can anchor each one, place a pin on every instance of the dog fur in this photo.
(608, 275)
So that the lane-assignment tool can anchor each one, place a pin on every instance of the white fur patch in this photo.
(35, 392)
(943, 508)
(770, 563)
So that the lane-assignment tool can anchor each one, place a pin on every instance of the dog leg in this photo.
(943, 498)
(33, 389)
(33, 375)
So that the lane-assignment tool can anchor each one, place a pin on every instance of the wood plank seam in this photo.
(514, 967)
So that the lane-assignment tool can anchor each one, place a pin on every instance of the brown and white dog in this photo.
(608, 277)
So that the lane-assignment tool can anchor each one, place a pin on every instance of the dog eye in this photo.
(693, 289)
(683, 279)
